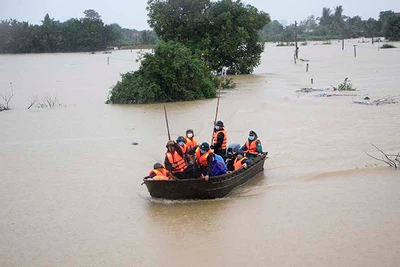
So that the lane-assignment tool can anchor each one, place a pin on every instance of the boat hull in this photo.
(215, 187)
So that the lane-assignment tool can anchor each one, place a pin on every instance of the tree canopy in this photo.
(172, 73)
(88, 33)
(331, 24)
(226, 32)
(391, 28)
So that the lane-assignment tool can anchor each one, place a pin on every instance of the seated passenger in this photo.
(192, 170)
(204, 159)
(231, 156)
(241, 161)
(252, 148)
(158, 173)
(182, 142)
(175, 160)
(191, 142)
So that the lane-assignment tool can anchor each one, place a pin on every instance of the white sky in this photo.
(132, 13)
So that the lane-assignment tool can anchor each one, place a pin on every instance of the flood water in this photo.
(70, 186)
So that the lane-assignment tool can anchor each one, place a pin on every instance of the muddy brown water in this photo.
(70, 192)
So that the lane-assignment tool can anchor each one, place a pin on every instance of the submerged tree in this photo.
(172, 73)
(391, 29)
(226, 32)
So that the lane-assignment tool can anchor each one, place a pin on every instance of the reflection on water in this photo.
(70, 190)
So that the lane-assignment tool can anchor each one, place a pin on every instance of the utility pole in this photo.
(295, 38)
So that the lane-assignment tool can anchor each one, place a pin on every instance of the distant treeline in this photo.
(334, 25)
(74, 35)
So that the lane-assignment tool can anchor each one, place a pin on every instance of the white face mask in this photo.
(190, 135)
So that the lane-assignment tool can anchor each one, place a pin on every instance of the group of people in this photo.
(186, 158)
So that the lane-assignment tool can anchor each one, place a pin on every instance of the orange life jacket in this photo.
(223, 146)
(202, 160)
(162, 172)
(176, 159)
(184, 148)
(251, 148)
(238, 163)
(191, 142)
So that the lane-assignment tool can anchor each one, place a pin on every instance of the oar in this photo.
(166, 120)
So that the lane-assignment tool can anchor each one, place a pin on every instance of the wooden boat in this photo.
(197, 188)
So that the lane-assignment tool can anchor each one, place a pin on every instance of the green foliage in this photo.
(385, 46)
(85, 34)
(226, 32)
(172, 73)
(332, 24)
(272, 32)
(344, 86)
(391, 28)
(227, 83)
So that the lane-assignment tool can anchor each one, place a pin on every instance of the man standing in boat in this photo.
(220, 139)
(175, 160)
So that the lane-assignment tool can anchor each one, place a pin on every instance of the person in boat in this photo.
(231, 153)
(241, 161)
(252, 148)
(159, 172)
(182, 143)
(192, 170)
(220, 139)
(204, 159)
(191, 142)
(175, 160)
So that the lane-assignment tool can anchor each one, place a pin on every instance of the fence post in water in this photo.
(108, 60)
(307, 68)
(355, 51)
(294, 58)
(312, 81)
(342, 44)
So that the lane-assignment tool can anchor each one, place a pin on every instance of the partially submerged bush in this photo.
(384, 46)
(344, 86)
(227, 83)
(171, 74)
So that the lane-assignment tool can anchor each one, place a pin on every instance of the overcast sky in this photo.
(132, 13)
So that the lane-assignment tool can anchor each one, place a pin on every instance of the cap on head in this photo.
(220, 124)
(189, 131)
(181, 138)
(157, 165)
(252, 133)
(205, 146)
(241, 152)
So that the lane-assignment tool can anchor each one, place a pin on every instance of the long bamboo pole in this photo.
(166, 121)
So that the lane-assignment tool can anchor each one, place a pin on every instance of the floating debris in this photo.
(308, 90)
(135, 143)
(380, 101)
(329, 95)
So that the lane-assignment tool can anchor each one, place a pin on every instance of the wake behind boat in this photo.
(198, 188)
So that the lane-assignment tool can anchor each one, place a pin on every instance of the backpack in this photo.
(219, 166)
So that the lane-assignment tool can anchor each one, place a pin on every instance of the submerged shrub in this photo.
(384, 46)
(344, 86)
(171, 74)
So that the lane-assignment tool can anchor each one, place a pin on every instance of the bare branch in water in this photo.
(7, 96)
(391, 160)
(33, 101)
